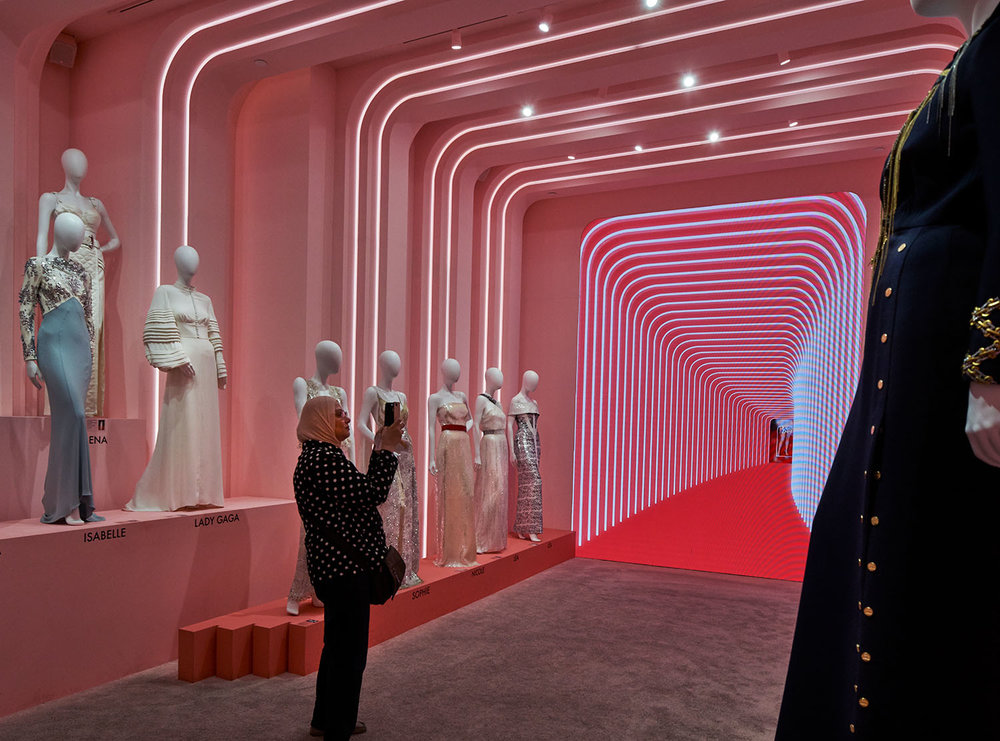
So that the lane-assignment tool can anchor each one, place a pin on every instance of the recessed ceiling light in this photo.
(651, 3)
(638, 147)
(545, 22)
(792, 124)
(714, 136)
(688, 80)
(571, 156)
(527, 111)
(784, 58)
(456, 39)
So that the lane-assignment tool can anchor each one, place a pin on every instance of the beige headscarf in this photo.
(318, 419)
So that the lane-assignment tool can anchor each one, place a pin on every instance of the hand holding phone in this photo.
(391, 413)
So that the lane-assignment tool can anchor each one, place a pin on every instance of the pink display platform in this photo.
(85, 605)
(115, 444)
(267, 641)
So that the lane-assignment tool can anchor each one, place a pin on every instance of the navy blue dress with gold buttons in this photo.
(898, 632)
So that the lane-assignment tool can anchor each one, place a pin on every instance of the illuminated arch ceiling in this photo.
(606, 78)
(699, 326)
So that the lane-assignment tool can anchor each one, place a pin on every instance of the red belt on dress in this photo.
(457, 428)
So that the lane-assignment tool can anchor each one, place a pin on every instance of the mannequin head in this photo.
(529, 381)
(971, 13)
(186, 260)
(328, 357)
(494, 378)
(389, 364)
(74, 164)
(450, 370)
(68, 232)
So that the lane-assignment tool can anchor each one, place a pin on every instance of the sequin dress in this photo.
(302, 587)
(185, 469)
(527, 453)
(61, 347)
(491, 480)
(455, 496)
(401, 510)
(90, 258)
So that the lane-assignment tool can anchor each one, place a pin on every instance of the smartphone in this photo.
(391, 412)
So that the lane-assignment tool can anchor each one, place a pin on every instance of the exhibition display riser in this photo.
(118, 455)
(88, 604)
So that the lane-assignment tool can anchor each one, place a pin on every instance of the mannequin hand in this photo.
(222, 381)
(433, 468)
(34, 375)
(479, 461)
(187, 369)
(982, 423)
(513, 460)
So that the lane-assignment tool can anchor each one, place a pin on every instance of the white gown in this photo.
(186, 467)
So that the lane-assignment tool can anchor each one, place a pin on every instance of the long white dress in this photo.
(186, 467)
(491, 480)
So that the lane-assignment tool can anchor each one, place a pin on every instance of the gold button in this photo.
(866, 472)
(859, 605)
(873, 429)
(859, 562)
(863, 702)
(858, 647)
(862, 518)
(881, 383)
(878, 475)
(868, 612)
(885, 338)
(855, 688)
(901, 247)
(865, 656)
(874, 520)
(888, 292)
(871, 565)
(851, 727)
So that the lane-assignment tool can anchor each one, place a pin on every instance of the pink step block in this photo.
(305, 644)
(234, 646)
(270, 646)
(196, 651)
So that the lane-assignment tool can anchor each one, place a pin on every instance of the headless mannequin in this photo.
(982, 423)
(450, 373)
(494, 380)
(186, 261)
(389, 366)
(67, 235)
(75, 167)
(522, 401)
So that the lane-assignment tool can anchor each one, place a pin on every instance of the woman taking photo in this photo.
(344, 544)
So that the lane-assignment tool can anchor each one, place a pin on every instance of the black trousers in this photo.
(345, 654)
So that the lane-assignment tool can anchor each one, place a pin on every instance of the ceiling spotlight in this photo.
(713, 136)
(688, 80)
(651, 3)
(456, 39)
(792, 124)
(571, 156)
(527, 111)
(545, 22)
(638, 147)
(783, 58)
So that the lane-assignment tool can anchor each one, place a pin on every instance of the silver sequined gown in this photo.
(491, 480)
(401, 511)
(528, 452)
(301, 586)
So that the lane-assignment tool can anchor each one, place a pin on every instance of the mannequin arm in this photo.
(216, 338)
(367, 412)
(27, 299)
(34, 375)
(982, 423)
(348, 445)
(478, 418)
(299, 393)
(510, 439)
(46, 204)
(160, 336)
(113, 243)
(432, 407)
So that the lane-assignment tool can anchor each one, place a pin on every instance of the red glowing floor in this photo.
(744, 523)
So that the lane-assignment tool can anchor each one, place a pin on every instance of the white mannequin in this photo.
(450, 373)
(521, 403)
(329, 358)
(67, 233)
(494, 380)
(982, 422)
(186, 260)
(67, 237)
(388, 368)
(75, 166)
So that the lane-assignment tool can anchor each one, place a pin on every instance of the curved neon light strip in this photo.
(744, 310)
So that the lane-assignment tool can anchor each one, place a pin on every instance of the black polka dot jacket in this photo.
(332, 493)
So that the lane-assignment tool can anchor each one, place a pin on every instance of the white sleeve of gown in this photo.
(160, 334)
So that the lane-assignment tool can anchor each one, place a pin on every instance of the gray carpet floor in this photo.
(586, 650)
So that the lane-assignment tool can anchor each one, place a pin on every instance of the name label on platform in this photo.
(111, 533)
(223, 519)
(479, 571)
(516, 558)
(418, 593)
(98, 440)
(549, 544)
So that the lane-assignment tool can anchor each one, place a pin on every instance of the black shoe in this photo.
(359, 729)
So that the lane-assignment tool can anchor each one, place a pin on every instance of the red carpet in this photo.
(744, 523)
